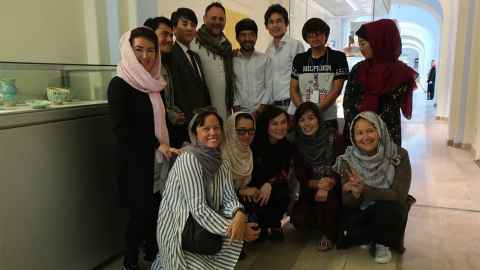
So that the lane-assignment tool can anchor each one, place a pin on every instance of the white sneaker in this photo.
(364, 247)
(382, 254)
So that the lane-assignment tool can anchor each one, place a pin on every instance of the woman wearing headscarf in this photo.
(272, 155)
(381, 83)
(138, 117)
(200, 185)
(239, 133)
(318, 205)
(376, 176)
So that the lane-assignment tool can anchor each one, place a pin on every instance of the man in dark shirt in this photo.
(319, 73)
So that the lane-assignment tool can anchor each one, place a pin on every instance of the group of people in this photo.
(280, 151)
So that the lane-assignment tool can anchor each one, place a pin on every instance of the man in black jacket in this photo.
(190, 90)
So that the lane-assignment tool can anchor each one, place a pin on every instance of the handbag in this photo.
(197, 239)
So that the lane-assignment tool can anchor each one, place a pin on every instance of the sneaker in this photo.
(365, 247)
(382, 254)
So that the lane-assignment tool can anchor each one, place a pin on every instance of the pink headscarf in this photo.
(132, 71)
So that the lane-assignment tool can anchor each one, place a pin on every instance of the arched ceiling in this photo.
(433, 6)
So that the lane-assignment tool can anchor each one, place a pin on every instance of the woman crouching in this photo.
(199, 190)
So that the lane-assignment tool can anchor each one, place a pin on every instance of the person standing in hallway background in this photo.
(215, 51)
(253, 71)
(188, 78)
(139, 124)
(431, 81)
(381, 83)
(281, 51)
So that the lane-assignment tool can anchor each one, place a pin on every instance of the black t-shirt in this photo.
(315, 76)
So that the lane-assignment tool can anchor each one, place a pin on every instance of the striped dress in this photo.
(184, 194)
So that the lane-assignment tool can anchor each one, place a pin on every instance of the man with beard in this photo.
(252, 69)
(319, 73)
(216, 54)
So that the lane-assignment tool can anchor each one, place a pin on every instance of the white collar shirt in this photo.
(282, 60)
(253, 81)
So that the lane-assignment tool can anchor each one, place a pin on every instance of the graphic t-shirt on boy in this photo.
(315, 77)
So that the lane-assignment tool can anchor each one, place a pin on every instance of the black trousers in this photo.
(270, 215)
(141, 229)
(383, 223)
(309, 214)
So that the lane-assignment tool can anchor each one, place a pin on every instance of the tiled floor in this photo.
(442, 231)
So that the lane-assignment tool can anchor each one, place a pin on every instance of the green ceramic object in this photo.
(38, 103)
(9, 92)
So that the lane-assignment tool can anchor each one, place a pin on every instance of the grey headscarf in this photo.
(318, 150)
(377, 170)
(209, 158)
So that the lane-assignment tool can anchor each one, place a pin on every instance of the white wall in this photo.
(42, 31)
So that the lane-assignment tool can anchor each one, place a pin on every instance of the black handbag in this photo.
(197, 239)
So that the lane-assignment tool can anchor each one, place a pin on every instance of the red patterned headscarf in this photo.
(384, 72)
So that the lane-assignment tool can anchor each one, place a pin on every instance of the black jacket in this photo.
(190, 91)
(132, 122)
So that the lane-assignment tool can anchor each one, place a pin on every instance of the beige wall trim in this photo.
(441, 118)
(464, 146)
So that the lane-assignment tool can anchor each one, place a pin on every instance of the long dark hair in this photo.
(307, 107)
(263, 121)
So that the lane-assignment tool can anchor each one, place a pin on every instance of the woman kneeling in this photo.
(200, 186)
(319, 202)
(376, 177)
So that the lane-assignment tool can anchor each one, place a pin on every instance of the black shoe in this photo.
(342, 240)
(243, 255)
(131, 267)
(277, 235)
(263, 236)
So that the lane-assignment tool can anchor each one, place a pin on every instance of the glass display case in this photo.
(30, 87)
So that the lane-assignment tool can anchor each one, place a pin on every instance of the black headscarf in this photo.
(318, 150)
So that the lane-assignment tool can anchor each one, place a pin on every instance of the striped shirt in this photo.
(184, 194)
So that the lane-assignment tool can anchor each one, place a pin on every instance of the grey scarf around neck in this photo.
(210, 159)
(318, 150)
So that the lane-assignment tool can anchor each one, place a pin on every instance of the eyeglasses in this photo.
(243, 131)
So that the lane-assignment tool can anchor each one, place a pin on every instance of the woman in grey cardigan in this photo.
(200, 185)
(376, 176)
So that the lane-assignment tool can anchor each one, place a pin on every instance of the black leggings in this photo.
(383, 223)
(142, 228)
